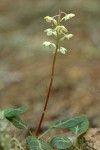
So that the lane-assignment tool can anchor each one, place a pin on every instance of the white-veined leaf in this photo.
(61, 142)
(35, 144)
(14, 112)
(81, 128)
(17, 122)
(69, 123)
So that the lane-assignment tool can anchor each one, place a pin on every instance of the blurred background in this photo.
(25, 65)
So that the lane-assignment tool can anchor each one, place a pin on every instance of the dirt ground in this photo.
(75, 89)
(25, 66)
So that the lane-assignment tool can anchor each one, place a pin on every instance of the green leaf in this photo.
(80, 128)
(35, 144)
(61, 142)
(69, 123)
(17, 122)
(14, 112)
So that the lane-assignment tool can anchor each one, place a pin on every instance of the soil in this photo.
(25, 66)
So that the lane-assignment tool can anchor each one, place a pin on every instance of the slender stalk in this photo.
(49, 90)
(51, 82)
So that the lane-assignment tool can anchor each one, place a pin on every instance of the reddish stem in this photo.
(49, 90)
(51, 81)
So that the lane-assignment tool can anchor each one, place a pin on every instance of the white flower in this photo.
(62, 50)
(49, 44)
(46, 43)
(50, 19)
(68, 16)
(67, 36)
(50, 32)
(60, 29)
